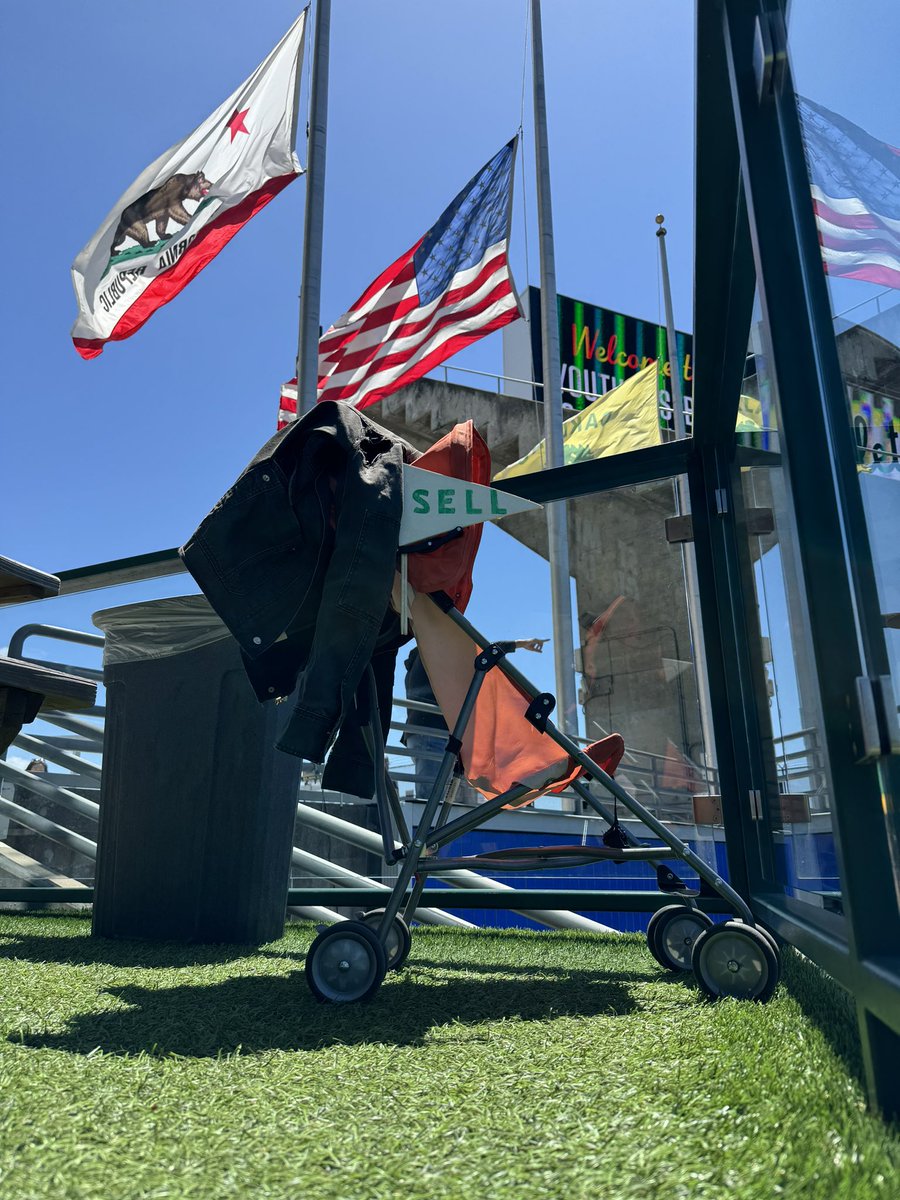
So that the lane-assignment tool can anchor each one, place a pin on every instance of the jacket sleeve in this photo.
(356, 593)
(350, 767)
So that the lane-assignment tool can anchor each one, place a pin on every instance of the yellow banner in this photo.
(626, 418)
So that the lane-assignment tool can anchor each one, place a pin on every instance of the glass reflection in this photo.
(851, 134)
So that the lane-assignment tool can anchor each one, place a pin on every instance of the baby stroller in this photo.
(505, 744)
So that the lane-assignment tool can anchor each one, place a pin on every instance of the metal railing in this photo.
(58, 811)
(442, 372)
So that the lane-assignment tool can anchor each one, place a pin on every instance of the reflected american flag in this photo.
(855, 182)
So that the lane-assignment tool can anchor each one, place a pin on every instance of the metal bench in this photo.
(26, 688)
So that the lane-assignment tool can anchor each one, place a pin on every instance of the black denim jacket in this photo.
(298, 559)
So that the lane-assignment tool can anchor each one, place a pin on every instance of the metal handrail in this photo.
(21, 635)
(536, 383)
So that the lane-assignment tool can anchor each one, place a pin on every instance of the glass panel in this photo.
(634, 412)
(851, 128)
(638, 627)
(635, 407)
(796, 810)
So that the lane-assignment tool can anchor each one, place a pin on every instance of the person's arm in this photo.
(535, 644)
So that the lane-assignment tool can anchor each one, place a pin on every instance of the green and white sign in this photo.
(434, 504)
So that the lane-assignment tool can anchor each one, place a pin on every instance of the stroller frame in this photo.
(348, 961)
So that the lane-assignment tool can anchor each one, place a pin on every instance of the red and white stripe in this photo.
(856, 242)
(388, 339)
(287, 405)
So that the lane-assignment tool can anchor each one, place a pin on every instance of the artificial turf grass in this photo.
(497, 1065)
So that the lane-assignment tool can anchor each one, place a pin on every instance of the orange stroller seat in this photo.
(500, 747)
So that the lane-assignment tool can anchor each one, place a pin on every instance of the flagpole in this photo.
(557, 526)
(313, 218)
(683, 504)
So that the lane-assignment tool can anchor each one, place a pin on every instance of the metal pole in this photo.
(557, 524)
(683, 504)
(672, 341)
(313, 218)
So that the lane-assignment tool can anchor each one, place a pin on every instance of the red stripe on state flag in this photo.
(209, 241)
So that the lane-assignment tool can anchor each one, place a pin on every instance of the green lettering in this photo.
(420, 499)
(445, 501)
(496, 510)
(470, 507)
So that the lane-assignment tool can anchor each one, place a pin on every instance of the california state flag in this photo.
(190, 203)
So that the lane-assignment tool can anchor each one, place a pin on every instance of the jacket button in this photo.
(265, 479)
(257, 641)
(270, 690)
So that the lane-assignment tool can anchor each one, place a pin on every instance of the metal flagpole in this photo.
(313, 218)
(683, 503)
(557, 526)
(674, 365)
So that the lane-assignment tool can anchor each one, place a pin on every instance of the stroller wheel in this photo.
(671, 935)
(399, 939)
(736, 960)
(345, 963)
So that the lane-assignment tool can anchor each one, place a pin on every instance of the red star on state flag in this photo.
(236, 124)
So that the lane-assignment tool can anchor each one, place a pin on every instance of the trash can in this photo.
(196, 805)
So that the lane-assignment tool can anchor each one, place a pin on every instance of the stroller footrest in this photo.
(535, 857)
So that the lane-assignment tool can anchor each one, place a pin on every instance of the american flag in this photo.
(855, 183)
(449, 289)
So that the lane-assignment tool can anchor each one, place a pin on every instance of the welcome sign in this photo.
(600, 348)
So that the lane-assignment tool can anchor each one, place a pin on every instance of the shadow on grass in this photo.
(93, 951)
(653, 974)
(258, 1013)
(827, 1006)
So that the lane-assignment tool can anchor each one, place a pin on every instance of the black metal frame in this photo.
(417, 853)
(755, 227)
(746, 113)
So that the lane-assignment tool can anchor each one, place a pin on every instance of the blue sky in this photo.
(139, 443)
(125, 454)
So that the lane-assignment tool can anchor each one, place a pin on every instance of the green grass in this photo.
(508, 1066)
